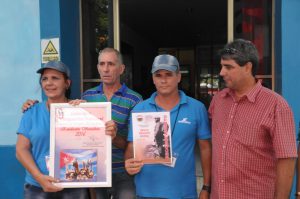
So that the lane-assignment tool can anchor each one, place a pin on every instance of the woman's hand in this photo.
(47, 183)
(76, 102)
(23, 154)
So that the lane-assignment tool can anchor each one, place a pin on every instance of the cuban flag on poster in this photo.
(78, 165)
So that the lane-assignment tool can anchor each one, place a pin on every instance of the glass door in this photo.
(253, 21)
(97, 32)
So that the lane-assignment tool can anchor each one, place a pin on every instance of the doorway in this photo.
(193, 31)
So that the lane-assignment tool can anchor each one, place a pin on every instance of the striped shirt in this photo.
(248, 136)
(122, 101)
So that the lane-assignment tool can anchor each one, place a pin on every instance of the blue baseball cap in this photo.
(165, 62)
(56, 65)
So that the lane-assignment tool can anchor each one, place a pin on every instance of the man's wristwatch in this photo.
(206, 188)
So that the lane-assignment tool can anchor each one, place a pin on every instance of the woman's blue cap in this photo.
(56, 65)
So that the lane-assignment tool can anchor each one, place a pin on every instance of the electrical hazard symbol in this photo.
(50, 50)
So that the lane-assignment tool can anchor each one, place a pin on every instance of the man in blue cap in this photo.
(189, 123)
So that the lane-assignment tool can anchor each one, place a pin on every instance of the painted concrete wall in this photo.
(290, 43)
(60, 19)
(13, 175)
(23, 24)
(289, 59)
(19, 59)
(70, 41)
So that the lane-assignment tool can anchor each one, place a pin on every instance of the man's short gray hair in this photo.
(109, 50)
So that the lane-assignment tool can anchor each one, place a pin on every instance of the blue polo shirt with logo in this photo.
(191, 124)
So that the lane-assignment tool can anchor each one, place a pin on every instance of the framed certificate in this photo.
(80, 151)
(152, 137)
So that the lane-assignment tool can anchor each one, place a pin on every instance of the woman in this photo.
(32, 146)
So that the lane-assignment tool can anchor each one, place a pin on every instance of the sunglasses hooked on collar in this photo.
(233, 51)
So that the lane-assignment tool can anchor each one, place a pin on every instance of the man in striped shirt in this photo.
(110, 67)
(253, 132)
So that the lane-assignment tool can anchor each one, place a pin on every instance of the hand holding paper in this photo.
(133, 166)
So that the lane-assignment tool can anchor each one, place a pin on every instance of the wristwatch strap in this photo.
(206, 188)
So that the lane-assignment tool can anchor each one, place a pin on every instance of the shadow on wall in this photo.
(12, 174)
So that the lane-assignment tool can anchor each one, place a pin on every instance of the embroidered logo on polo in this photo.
(184, 121)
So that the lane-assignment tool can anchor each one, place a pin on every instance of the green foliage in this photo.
(101, 8)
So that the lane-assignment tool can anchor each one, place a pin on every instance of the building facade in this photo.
(74, 31)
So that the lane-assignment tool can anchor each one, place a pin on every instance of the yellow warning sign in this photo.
(50, 49)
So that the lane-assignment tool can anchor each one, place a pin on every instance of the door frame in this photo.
(230, 35)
